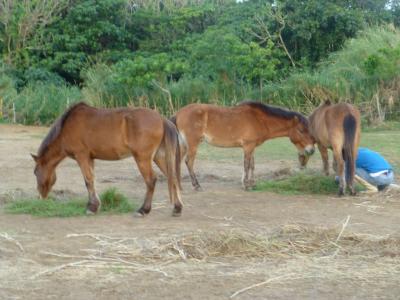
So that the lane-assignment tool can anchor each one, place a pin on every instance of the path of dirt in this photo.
(25, 241)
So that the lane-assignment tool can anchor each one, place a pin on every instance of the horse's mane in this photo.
(276, 111)
(55, 130)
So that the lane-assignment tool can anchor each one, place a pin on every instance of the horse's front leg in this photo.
(87, 168)
(252, 182)
(325, 158)
(248, 164)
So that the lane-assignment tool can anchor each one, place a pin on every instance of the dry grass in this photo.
(296, 252)
(286, 242)
(290, 241)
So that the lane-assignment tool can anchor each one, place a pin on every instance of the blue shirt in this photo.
(371, 161)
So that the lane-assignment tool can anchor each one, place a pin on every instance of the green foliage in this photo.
(365, 68)
(112, 202)
(41, 103)
(385, 64)
(221, 55)
(7, 88)
(21, 25)
(301, 184)
(316, 28)
(39, 75)
(136, 52)
(89, 30)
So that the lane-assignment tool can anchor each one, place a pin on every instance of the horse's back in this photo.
(218, 125)
(327, 122)
(338, 113)
(340, 110)
(112, 133)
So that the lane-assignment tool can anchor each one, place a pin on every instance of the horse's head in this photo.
(301, 137)
(45, 176)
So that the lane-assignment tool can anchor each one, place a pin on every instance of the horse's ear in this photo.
(327, 102)
(35, 157)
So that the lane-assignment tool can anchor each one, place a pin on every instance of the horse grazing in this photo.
(246, 125)
(337, 127)
(85, 133)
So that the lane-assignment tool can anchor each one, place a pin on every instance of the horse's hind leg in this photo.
(191, 155)
(87, 168)
(145, 168)
(325, 158)
(177, 196)
(337, 154)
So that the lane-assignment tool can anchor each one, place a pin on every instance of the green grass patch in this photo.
(112, 202)
(385, 126)
(302, 183)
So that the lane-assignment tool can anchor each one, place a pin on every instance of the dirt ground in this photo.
(41, 258)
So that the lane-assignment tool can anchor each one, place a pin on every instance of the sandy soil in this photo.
(34, 251)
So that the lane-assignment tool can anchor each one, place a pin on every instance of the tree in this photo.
(89, 30)
(21, 22)
(222, 55)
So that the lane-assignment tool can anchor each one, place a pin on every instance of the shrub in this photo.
(41, 103)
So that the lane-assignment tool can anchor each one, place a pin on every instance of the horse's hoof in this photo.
(93, 207)
(198, 188)
(253, 185)
(176, 213)
(90, 213)
(143, 212)
(340, 193)
(353, 193)
(138, 214)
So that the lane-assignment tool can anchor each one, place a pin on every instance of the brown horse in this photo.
(85, 133)
(246, 125)
(337, 127)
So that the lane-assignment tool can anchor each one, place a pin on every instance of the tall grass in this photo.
(365, 72)
(37, 103)
(42, 103)
(344, 76)
(104, 88)
(7, 93)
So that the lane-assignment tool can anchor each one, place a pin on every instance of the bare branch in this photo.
(171, 105)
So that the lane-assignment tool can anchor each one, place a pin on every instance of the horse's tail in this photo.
(172, 161)
(350, 127)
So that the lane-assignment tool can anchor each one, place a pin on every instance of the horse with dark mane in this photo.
(85, 133)
(246, 125)
(337, 127)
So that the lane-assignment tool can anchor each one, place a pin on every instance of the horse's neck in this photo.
(281, 129)
(53, 155)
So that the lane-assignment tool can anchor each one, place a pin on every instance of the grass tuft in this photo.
(302, 183)
(115, 202)
(112, 202)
